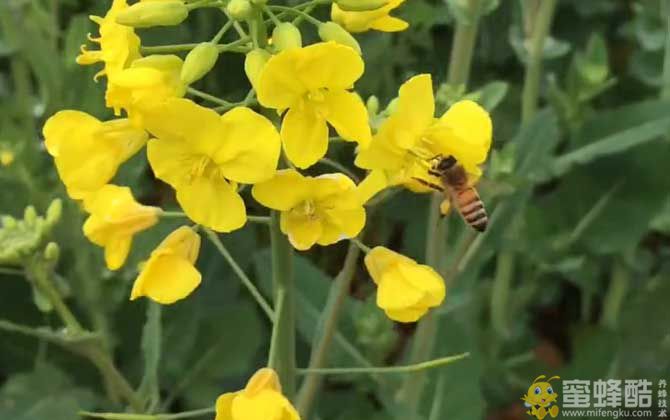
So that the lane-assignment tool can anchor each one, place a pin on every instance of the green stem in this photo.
(424, 339)
(616, 292)
(416, 367)
(283, 355)
(299, 13)
(124, 416)
(500, 293)
(39, 274)
(665, 91)
(235, 46)
(326, 330)
(531, 86)
(12, 271)
(222, 32)
(207, 96)
(360, 245)
(265, 306)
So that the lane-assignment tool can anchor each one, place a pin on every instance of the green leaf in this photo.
(535, 144)
(616, 143)
(151, 350)
(45, 393)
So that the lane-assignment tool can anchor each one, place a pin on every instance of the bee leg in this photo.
(429, 184)
(434, 173)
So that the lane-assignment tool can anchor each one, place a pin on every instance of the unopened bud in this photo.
(54, 211)
(30, 215)
(331, 31)
(239, 9)
(199, 62)
(52, 252)
(372, 105)
(254, 64)
(8, 222)
(286, 36)
(360, 5)
(153, 13)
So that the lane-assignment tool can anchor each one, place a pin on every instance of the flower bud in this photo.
(360, 5)
(30, 215)
(8, 222)
(199, 62)
(153, 13)
(286, 36)
(54, 211)
(52, 252)
(372, 105)
(254, 64)
(331, 31)
(239, 9)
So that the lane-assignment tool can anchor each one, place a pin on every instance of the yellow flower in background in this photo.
(261, 399)
(203, 156)
(321, 210)
(378, 19)
(147, 83)
(114, 218)
(6, 157)
(406, 289)
(88, 152)
(313, 84)
(170, 275)
(411, 136)
(119, 45)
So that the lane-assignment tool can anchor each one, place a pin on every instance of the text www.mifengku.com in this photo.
(607, 413)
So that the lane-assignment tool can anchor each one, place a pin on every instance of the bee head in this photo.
(446, 163)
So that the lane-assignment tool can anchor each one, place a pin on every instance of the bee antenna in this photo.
(552, 378)
(538, 378)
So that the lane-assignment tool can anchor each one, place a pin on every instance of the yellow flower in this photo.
(88, 152)
(115, 218)
(6, 157)
(119, 45)
(406, 289)
(261, 399)
(312, 83)
(147, 83)
(321, 210)
(170, 275)
(411, 136)
(204, 155)
(378, 19)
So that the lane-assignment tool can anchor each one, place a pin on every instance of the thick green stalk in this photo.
(326, 331)
(616, 292)
(283, 352)
(531, 85)
(424, 340)
(506, 260)
(665, 91)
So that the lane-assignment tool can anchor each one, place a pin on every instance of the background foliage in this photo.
(579, 198)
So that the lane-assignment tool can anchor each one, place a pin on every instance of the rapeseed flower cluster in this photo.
(208, 156)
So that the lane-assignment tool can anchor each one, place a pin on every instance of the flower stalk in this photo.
(282, 352)
(423, 344)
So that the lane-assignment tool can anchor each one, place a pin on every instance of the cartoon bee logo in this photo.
(540, 397)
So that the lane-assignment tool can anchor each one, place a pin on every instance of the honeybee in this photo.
(457, 191)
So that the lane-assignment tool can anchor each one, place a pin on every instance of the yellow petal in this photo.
(224, 406)
(254, 64)
(263, 379)
(382, 154)
(329, 65)
(251, 147)
(411, 314)
(380, 259)
(183, 241)
(341, 224)
(395, 292)
(184, 120)
(302, 231)
(284, 191)
(266, 405)
(166, 278)
(389, 24)
(278, 86)
(373, 183)
(471, 133)
(167, 158)
(68, 126)
(415, 110)
(424, 278)
(213, 203)
(305, 137)
(116, 252)
(349, 115)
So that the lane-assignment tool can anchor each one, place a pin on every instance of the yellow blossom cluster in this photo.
(208, 156)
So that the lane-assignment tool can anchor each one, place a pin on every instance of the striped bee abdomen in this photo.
(471, 208)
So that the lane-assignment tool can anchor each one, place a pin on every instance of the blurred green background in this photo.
(579, 197)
